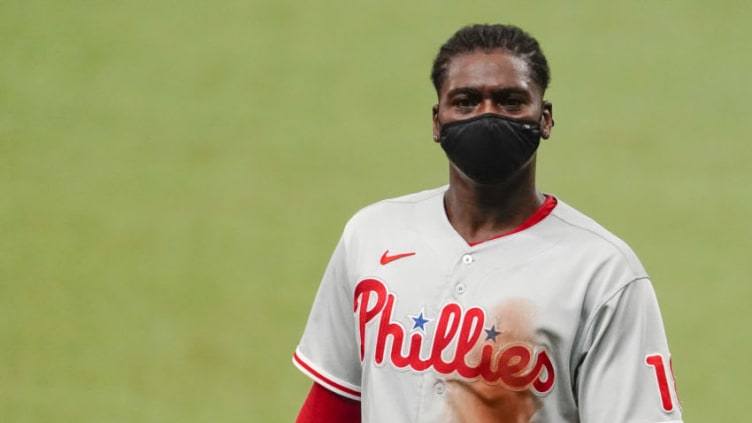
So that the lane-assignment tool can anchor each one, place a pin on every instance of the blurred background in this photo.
(174, 176)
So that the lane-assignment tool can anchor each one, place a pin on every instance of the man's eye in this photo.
(512, 102)
(463, 102)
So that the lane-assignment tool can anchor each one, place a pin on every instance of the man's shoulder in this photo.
(413, 198)
(578, 230)
(395, 209)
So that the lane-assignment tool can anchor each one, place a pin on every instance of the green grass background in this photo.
(175, 174)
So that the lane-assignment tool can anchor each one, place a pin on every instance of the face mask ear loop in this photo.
(437, 136)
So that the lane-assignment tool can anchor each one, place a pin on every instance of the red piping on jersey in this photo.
(325, 406)
(544, 210)
(323, 379)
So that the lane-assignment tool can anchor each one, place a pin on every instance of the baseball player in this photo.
(485, 300)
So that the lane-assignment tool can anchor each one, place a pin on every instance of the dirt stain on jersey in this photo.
(478, 401)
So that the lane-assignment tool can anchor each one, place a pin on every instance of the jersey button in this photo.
(438, 387)
(460, 288)
(467, 259)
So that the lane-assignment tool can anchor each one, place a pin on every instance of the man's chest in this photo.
(501, 316)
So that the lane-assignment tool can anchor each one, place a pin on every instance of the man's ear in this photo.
(547, 119)
(436, 124)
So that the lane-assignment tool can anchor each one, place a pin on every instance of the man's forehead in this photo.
(493, 69)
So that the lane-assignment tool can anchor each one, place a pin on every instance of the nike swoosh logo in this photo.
(386, 258)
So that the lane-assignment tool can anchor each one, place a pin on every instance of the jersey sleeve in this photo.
(328, 351)
(625, 369)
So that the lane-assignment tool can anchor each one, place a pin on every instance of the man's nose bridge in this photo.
(488, 106)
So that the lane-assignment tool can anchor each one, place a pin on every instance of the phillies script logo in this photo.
(457, 334)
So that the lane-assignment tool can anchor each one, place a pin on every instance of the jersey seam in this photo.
(618, 248)
(590, 321)
(429, 193)
(414, 198)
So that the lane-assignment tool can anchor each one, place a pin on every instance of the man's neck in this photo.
(480, 212)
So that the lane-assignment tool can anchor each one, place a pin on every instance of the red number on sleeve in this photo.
(657, 363)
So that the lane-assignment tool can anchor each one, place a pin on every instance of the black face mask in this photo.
(490, 148)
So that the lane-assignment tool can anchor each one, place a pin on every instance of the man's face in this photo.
(493, 82)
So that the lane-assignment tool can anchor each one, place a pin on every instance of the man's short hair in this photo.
(486, 38)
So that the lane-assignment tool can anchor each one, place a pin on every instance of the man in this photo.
(485, 300)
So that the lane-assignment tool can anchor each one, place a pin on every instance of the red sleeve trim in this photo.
(325, 381)
(324, 406)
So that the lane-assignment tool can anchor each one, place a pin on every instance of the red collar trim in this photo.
(544, 210)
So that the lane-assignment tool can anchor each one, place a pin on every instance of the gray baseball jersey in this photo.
(554, 323)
